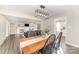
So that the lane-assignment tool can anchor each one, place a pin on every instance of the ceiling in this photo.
(30, 9)
(27, 11)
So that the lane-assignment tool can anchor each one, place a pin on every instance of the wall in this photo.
(4, 28)
(60, 24)
(51, 22)
(48, 25)
(72, 37)
(73, 29)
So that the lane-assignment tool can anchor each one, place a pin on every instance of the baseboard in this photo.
(72, 44)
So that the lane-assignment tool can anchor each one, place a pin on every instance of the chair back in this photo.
(57, 42)
(48, 48)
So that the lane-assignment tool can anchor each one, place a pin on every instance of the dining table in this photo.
(30, 45)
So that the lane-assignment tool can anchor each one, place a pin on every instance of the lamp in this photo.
(41, 13)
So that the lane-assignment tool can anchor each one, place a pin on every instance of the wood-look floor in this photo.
(68, 49)
(11, 46)
(71, 49)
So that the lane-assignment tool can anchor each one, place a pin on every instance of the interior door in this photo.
(2, 31)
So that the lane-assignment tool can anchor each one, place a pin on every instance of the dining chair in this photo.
(57, 42)
(54, 46)
(47, 49)
(26, 34)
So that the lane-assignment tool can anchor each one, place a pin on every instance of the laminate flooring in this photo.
(10, 45)
(68, 49)
(71, 49)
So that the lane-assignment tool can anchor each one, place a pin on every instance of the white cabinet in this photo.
(21, 30)
(33, 26)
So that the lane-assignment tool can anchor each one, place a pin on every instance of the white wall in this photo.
(48, 25)
(73, 29)
(52, 26)
(61, 26)
(4, 28)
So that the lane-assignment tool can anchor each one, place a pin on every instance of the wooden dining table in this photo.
(33, 44)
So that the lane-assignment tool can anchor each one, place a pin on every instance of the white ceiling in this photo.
(27, 11)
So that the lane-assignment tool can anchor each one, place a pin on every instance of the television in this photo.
(26, 25)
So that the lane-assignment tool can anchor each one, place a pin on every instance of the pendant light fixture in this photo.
(41, 13)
